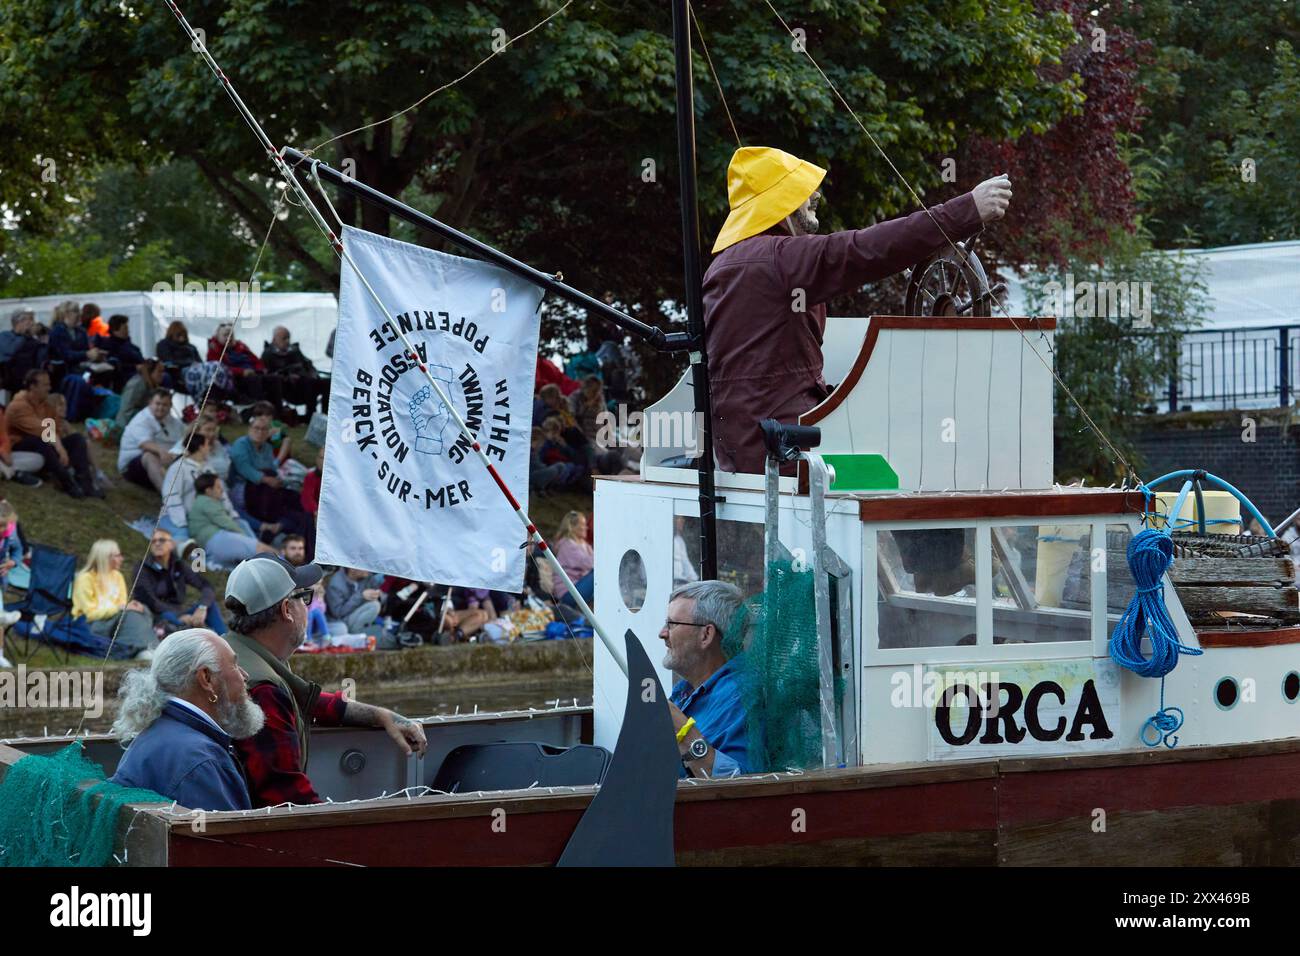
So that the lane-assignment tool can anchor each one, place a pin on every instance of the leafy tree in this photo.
(1222, 90)
(39, 266)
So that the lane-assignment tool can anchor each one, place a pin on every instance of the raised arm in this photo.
(831, 265)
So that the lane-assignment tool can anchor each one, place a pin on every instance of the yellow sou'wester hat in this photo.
(764, 185)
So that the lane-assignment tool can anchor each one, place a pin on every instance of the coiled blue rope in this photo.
(1150, 552)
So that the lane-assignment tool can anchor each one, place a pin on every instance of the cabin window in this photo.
(927, 587)
(632, 580)
(1042, 583)
(1225, 693)
(740, 553)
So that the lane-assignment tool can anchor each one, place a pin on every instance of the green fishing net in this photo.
(774, 645)
(61, 811)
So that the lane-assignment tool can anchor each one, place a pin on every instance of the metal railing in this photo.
(1250, 367)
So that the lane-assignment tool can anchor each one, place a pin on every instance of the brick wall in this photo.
(1267, 470)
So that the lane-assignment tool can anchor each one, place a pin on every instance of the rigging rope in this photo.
(445, 86)
(716, 82)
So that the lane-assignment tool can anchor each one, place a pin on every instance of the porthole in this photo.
(1291, 687)
(632, 580)
(1225, 693)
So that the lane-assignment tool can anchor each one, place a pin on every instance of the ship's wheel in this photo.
(950, 283)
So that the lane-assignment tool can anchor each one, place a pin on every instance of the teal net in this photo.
(61, 811)
(774, 646)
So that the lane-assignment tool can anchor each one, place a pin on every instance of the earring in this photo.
(212, 699)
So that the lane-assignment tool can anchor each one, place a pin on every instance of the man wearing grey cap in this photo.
(267, 598)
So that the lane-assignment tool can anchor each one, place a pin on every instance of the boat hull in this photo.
(1235, 805)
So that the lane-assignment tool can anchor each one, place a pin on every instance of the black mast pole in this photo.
(694, 281)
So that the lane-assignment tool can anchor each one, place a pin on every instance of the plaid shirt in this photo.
(271, 758)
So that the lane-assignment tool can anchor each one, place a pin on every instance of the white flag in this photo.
(403, 492)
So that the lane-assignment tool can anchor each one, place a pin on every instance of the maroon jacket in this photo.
(765, 360)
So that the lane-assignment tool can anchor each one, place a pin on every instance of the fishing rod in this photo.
(336, 244)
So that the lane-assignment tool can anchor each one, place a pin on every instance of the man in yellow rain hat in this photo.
(765, 293)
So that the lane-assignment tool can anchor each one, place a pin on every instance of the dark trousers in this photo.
(260, 388)
(78, 458)
(306, 390)
(283, 507)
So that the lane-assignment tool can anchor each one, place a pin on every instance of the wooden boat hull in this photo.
(1236, 805)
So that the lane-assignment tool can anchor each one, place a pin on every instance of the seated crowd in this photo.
(571, 440)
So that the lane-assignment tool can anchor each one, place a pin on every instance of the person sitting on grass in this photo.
(310, 494)
(20, 467)
(36, 426)
(226, 539)
(464, 614)
(256, 474)
(555, 450)
(351, 604)
(99, 593)
(145, 451)
(294, 549)
(218, 452)
(576, 557)
(148, 378)
(179, 720)
(178, 485)
(162, 584)
(544, 478)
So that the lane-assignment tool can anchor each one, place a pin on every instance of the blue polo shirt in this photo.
(719, 716)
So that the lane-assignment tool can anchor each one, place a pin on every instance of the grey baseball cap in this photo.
(268, 579)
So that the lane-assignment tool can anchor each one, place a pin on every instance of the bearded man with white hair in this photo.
(180, 719)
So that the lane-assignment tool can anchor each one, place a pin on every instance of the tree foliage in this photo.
(40, 266)
(545, 149)
(1223, 88)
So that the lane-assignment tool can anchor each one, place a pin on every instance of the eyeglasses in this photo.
(668, 624)
(304, 596)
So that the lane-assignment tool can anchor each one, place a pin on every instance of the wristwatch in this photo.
(698, 750)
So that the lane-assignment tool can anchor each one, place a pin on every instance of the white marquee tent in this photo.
(1247, 286)
(1253, 306)
(310, 317)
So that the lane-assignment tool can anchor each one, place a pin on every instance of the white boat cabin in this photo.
(974, 600)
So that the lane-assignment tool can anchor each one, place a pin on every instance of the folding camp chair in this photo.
(48, 594)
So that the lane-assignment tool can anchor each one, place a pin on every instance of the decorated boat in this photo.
(965, 699)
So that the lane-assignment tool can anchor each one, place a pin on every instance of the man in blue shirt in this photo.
(181, 718)
(706, 706)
